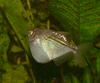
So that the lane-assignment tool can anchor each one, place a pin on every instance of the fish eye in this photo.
(30, 33)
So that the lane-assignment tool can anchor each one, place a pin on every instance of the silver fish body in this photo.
(47, 45)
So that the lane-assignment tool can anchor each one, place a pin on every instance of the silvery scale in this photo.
(48, 45)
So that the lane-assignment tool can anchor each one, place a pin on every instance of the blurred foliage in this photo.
(67, 14)
(89, 20)
(18, 75)
(79, 18)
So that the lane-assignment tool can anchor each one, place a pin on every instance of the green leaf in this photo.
(89, 20)
(13, 14)
(4, 39)
(74, 79)
(18, 75)
(87, 77)
(67, 79)
(66, 12)
(98, 63)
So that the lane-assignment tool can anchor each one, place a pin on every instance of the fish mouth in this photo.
(31, 35)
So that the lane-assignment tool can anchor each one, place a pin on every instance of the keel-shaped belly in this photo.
(46, 46)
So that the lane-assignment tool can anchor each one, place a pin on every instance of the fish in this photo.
(48, 45)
